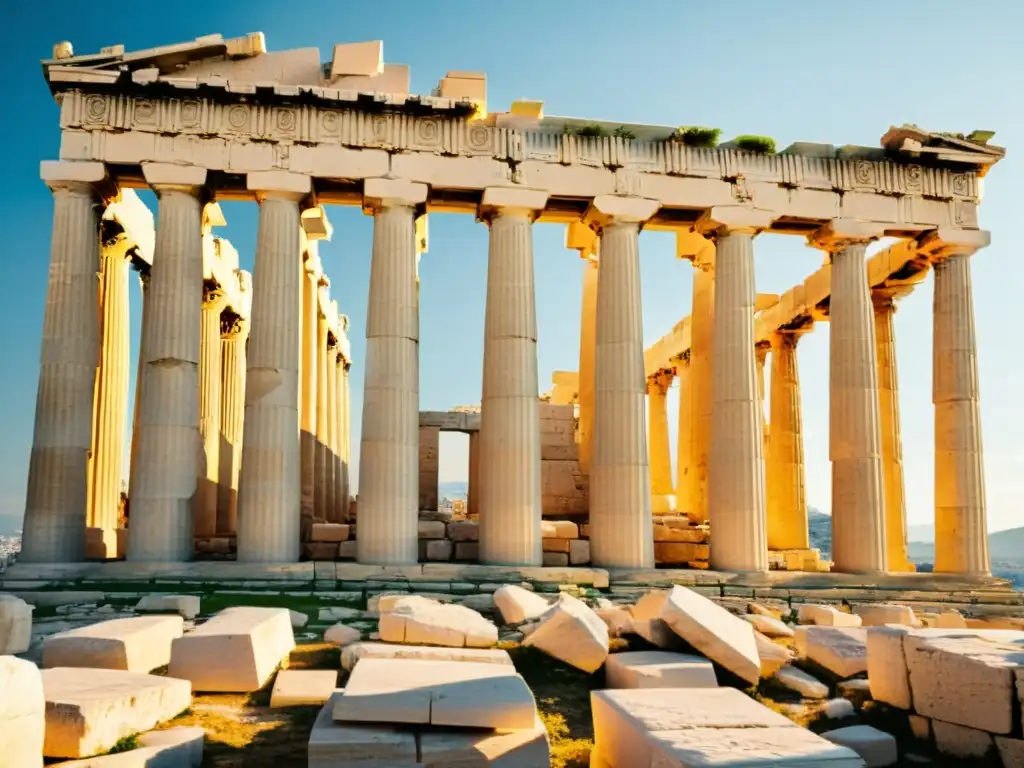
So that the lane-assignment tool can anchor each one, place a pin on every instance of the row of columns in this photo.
(758, 493)
(726, 467)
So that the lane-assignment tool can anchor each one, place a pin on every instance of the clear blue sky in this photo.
(840, 73)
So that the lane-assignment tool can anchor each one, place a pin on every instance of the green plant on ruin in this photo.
(750, 143)
(622, 132)
(697, 136)
(593, 130)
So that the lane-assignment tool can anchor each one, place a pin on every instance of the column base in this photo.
(664, 504)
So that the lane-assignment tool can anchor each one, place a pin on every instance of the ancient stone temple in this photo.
(242, 420)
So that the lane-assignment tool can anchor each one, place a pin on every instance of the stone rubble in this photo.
(571, 632)
(302, 687)
(15, 624)
(517, 605)
(418, 620)
(658, 669)
(841, 650)
(797, 680)
(370, 650)
(22, 713)
(876, 748)
(187, 606)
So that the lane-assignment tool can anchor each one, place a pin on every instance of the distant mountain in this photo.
(1002, 545)
(453, 489)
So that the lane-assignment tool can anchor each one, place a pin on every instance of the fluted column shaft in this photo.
(761, 356)
(320, 457)
(111, 400)
(858, 500)
(133, 449)
(331, 447)
(621, 531)
(786, 502)
(269, 493)
(736, 499)
(389, 452)
(341, 478)
(473, 487)
(510, 497)
(232, 420)
(891, 440)
(663, 501)
(585, 383)
(699, 393)
(55, 504)
(205, 515)
(168, 455)
(961, 536)
(309, 367)
(683, 438)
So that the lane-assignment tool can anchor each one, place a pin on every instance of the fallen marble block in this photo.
(89, 710)
(22, 713)
(879, 614)
(521, 748)
(876, 748)
(684, 727)
(772, 655)
(837, 709)
(303, 687)
(355, 745)
(338, 613)
(713, 631)
(186, 606)
(618, 620)
(843, 651)
(517, 605)
(236, 651)
(342, 635)
(658, 669)
(139, 644)
(182, 745)
(418, 620)
(887, 666)
(961, 741)
(801, 682)
(456, 693)
(353, 653)
(768, 625)
(826, 616)
(15, 624)
(571, 632)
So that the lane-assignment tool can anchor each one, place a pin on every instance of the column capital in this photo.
(727, 219)
(840, 234)
(940, 244)
(789, 336)
(512, 201)
(180, 178)
(389, 193)
(233, 325)
(884, 298)
(213, 295)
(660, 382)
(280, 185)
(582, 239)
(618, 209)
(84, 177)
(694, 247)
(761, 352)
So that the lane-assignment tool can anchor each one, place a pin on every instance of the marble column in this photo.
(308, 367)
(168, 455)
(663, 501)
(621, 532)
(510, 498)
(333, 512)
(205, 514)
(858, 498)
(699, 393)
(473, 487)
(761, 356)
(735, 496)
(961, 532)
(683, 437)
(389, 450)
(891, 439)
(133, 448)
(234, 335)
(56, 502)
(786, 502)
(341, 477)
(320, 457)
(269, 492)
(110, 412)
(588, 330)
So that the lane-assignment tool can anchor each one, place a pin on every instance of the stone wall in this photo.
(563, 486)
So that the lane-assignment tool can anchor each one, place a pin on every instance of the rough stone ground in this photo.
(243, 732)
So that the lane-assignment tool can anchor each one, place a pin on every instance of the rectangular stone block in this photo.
(347, 745)
(333, 532)
(555, 559)
(667, 533)
(347, 550)
(464, 694)
(659, 669)
(776, 746)
(559, 529)
(677, 553)
(431, 529)
(89, 710)
(138, 644)
(527, 747)
(236, 651)
(320, 550)
(463, 530)
(440, 550)
(555, 545)
(579, 552)
(353, 653)
(303, 687)
(22, 713)
(841, 650)
(467, 551)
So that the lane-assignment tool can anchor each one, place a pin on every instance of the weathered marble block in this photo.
(15, 624)
(658, 669)
(351, 745)
(841, 650)
(89, 710)
(186, 606)
(138, 644)
(22, 713)
(302, 687)
(521, 748)
(236, 651)
(517, 605)
(353, 653)
(572, 632)
(419, 620)
(182, 745)
(452, 693)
